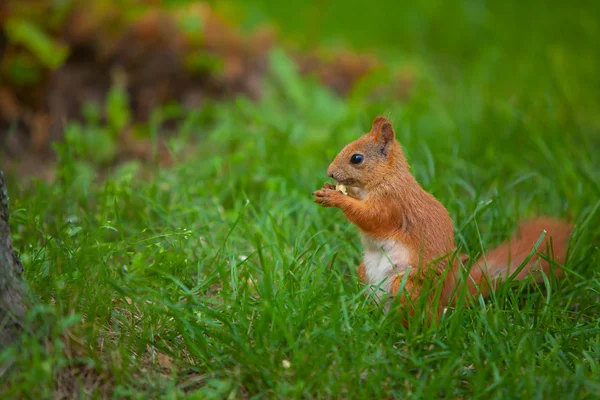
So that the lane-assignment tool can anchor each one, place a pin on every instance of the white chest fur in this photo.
(384, 259)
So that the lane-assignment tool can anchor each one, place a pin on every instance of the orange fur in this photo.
(391, 207)
(500, 263)
(362, 275)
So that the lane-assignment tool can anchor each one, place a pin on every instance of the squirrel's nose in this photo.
(330, 173)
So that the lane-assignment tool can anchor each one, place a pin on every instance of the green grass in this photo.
(149, 261)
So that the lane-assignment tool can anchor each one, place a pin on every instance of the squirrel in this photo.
(405, 230)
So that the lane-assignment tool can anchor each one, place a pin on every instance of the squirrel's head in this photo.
(369, 160)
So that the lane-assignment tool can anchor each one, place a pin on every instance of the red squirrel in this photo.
(405, 228)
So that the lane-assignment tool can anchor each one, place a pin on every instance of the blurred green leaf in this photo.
(287, 76)
(192, 26)
(23, 70)
(38, 42)
(201, 62)
(117, 109)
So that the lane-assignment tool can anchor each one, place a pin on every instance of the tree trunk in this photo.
(13, 298)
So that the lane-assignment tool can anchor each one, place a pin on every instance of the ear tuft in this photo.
(378, 123)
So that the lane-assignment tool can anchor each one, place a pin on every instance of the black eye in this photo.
(356, 159)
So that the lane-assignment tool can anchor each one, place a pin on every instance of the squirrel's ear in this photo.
(383, 133)
(377, 123)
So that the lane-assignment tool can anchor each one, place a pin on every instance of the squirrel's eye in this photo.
(356, 159)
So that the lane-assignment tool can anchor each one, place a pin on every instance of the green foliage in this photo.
(223, 264)
(23, 70)
(512, 49)
(118, 114)
(35, 33)
(33, 48)
(201, 62)
(94, 143)
(27, 34)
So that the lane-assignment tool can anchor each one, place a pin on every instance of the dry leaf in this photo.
(164, 361)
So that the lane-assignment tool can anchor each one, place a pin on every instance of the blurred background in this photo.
(122, 64)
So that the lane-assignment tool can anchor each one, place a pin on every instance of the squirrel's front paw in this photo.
(328, 197)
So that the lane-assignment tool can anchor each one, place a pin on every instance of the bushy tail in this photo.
(499, 264)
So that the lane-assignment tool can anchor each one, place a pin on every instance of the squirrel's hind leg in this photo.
(362, 273)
